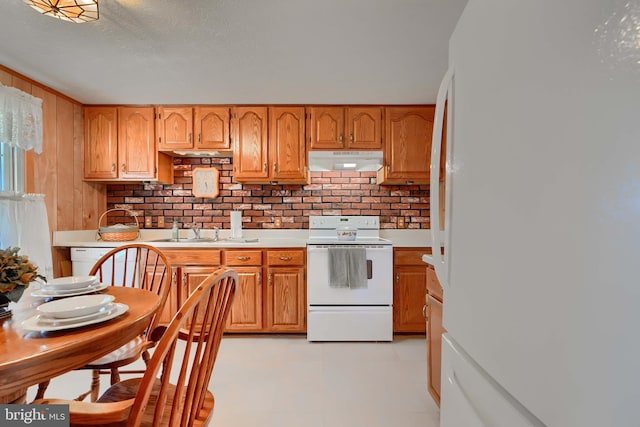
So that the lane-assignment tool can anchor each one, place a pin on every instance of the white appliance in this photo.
(542, 219)
(346, 313)
(83, 259)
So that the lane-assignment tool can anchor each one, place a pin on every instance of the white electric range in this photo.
(363, 313)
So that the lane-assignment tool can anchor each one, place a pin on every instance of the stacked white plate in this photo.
(69, 286)
(74, 312)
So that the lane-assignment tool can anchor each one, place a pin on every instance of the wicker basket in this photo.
(118, 233)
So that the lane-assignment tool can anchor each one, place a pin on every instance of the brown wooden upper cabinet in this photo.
(251, 147)
(120, 146)
(101, 143)
(348, 128)
(193, 128)
(269, 144)
(287, 151)
(407, 151)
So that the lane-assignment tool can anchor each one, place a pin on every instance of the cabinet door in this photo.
(327, 128)
(287, 143)
(211, 128)
(408, 144)
(434, 346)
(286, 299)
(175, 128)
(250, 155)
(246, 310)
(191, 277)
(137, 150)
(100, 143)
(364, 127)
(408, 298)
(172, 304)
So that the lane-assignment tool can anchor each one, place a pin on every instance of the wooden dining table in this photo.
(29, 357)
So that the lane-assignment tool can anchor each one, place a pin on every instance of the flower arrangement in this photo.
(16, 272)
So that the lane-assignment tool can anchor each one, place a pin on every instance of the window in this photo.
(11, 168)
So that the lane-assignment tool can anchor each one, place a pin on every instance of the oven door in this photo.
(379, 290)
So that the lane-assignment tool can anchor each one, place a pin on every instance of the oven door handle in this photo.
(369, 269)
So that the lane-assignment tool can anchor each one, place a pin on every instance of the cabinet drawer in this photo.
(193, 256)
(290, 257)
(410, 256)
(242, 257)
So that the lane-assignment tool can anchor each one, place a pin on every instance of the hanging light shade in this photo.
(77, 11)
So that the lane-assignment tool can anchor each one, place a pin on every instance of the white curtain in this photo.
(24, 223)
(20, 119)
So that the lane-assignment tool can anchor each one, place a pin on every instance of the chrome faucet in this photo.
(196, 230)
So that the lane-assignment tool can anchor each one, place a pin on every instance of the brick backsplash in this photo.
(328, 193)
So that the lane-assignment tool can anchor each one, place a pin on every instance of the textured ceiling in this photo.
(237, 51)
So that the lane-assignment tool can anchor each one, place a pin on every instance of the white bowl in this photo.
(75, 306)
(346, 233)
(70, 282)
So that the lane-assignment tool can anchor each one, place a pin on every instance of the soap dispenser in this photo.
(175, 231)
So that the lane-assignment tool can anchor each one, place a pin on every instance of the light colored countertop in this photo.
(280, 238)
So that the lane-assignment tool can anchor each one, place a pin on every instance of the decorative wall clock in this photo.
(205, 182)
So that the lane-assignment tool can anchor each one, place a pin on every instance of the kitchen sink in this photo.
(226, 241)
(192, 240)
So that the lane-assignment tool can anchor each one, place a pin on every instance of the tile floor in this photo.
(282, 381)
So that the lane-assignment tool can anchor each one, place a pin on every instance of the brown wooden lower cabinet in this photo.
(247, 307)
(271, 302)
(409, 287)
(434, 299)
(286, 291)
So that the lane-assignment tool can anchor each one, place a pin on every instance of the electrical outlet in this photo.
(148, 222)
(401, 223)
(160, 222)
(277, 222)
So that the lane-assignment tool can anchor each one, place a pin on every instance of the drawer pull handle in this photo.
(244, 258)
(285, 258)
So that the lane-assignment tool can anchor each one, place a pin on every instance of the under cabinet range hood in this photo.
(360, 161)
(202, 153)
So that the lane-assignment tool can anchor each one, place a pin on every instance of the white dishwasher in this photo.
(83, 259)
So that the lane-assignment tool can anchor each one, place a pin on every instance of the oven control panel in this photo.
(333, 222)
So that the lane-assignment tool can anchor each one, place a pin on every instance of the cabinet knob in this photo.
(189, 137)
(275, 167)
(122, 168)
(113, 167)
(264, 167)
(199, 138)
(341, 140)
(270, 279)
(351, 138)
(259, 277)
(397, 277)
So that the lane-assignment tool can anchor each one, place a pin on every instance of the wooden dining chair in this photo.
(154, 400)
(134, 265)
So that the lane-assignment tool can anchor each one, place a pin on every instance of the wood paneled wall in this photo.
(57, 172)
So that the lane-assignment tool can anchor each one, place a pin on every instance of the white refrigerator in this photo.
(541, 272)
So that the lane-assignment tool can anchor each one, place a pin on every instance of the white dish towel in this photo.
(348, 268)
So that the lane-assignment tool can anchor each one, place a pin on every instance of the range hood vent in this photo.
(212, 153)
(359, 161)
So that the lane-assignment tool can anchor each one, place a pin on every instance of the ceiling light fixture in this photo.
(77, 11)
